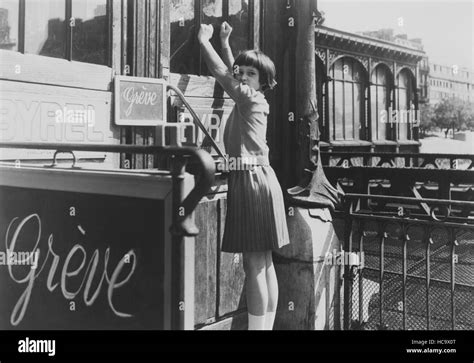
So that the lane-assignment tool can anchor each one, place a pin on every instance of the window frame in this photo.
(253, 31)
(332, 101)
(63, 71)
(374, 86)
(409, 93)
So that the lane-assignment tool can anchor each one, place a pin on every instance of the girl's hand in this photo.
(226, 29)
(205, 33)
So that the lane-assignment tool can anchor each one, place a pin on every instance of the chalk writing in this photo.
(109, 283)
(140, 97)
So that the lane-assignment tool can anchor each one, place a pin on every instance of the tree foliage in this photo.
(426, 118)
(453, 113)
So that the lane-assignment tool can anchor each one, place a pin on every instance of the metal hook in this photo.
(62, 152)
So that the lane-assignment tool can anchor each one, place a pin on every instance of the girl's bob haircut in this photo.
(264, 65)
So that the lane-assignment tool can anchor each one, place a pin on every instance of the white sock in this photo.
(269, 320)
(256, 322)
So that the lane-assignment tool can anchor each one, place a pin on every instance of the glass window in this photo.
(183, 36)
(186, 55)
(379, 97)
(45, 28)
(91, 31)
(330, 102)
(357, 122)
(348, 99)
(9, 20)
(348, 111)
(338, 109)
(405, 98)
(212, 14)
(338, 69)
(373, 111)
(381, 76)
(240, 21)
(47, 25)
(382, 105)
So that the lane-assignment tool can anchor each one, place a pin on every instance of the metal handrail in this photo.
(182, 224)
(408, 199)
(196, 119)
(400, 155)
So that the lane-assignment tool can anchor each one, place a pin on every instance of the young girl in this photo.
(256, 221)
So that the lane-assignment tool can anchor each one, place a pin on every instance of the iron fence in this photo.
(401, 160)
(415, 271)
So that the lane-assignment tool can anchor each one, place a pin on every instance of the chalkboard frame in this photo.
(119, 121)
(154, 185)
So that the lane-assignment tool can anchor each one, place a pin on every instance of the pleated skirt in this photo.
(256, 219)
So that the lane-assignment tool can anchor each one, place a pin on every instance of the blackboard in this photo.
(139, 101)
(80, 225)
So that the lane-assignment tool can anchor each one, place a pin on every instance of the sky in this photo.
(446, 27)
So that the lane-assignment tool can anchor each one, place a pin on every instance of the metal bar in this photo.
(410, 174)
(69, 30)
(182, 304)
(431, 223)
(453, 271)
(333, 86)
(413, 216)
(361, 280)
(423, 278)
(407, 161)
(398, 155)
(343, 107)
(428, 273)
(225, 10)
(404, 279)
(204, 173)
(197, 21)
(110, 40)
(407, 199)
(197, 120)
(124, 38)
(347, 273)
(21, 26)
(381, 264)
(177, 315)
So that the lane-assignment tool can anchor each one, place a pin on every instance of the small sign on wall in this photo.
(140, 101)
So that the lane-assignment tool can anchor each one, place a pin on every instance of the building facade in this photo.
(450, 81)
(368, 90)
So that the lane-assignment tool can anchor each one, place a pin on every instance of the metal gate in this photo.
(415, 269)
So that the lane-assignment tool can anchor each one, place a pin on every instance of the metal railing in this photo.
(400, 180)
(414, 271)
(419, 160)
(203, 165)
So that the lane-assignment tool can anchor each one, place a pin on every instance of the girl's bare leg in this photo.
(257, 290)
(272, 285)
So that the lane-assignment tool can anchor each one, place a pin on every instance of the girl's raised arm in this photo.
(215, 64)
(226, 30)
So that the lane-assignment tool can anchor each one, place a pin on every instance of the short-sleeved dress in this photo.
(255, 220)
